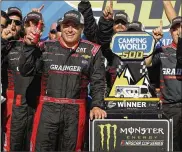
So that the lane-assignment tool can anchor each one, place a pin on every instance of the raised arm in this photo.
(105, 31)
(157, 34)
(38, 9)
(90, 25)
(30, 58)
(6, 44)
(169, 10)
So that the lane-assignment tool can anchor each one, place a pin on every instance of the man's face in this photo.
(30, 25)
(3, 23)
(175, 32)
(53, 31)
(119, 26)
(15, 24)
(71, 32)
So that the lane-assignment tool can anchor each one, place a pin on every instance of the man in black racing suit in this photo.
(22, 93)
(67, 66)
(171, 81)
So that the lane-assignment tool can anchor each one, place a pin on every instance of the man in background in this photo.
(53, 32)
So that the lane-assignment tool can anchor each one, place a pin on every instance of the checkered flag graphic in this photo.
(120, 68)
(143, 70)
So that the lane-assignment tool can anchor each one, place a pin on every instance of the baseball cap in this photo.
(135, 26)
(59, 21)
(73, 16)
(32, 16)
(121, 15)
(176, 20)
(14, 10)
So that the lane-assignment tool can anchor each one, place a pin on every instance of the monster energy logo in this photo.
(108, 135)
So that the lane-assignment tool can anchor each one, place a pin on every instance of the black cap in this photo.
(135, 26)
(32, 16)
(176, 20)
(121, 15)
(73, 16)
(14, 10)
(59, 21)
(3, 14)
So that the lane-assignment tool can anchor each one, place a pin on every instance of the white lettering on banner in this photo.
(132, 104)
(141, 137)
(132, 40)
(174, 71)
(142, 131)
(132, 43)
(166, 41)
(65, 68)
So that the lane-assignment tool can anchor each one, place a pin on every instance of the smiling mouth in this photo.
(70, 35)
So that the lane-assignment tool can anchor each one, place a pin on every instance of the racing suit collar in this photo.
(64, 46)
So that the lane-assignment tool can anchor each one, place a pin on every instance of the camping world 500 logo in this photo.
(149, 12)
(106, 132)
(134, 45)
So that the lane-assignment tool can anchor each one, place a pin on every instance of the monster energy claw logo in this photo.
(108, 134)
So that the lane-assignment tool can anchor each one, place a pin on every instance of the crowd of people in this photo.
(45, 81)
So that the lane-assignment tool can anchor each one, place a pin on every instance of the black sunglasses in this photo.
(17, 22)
(53, 31)
(120, 21)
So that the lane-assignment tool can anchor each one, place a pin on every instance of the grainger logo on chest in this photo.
(172, 71)
(65, 68)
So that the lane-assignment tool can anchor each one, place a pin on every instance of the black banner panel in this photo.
(130, 135)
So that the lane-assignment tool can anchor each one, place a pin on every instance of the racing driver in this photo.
(67, 66)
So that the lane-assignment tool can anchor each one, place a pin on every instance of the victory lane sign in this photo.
(132, 48)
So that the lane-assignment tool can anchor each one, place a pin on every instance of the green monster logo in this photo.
(108, 135)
